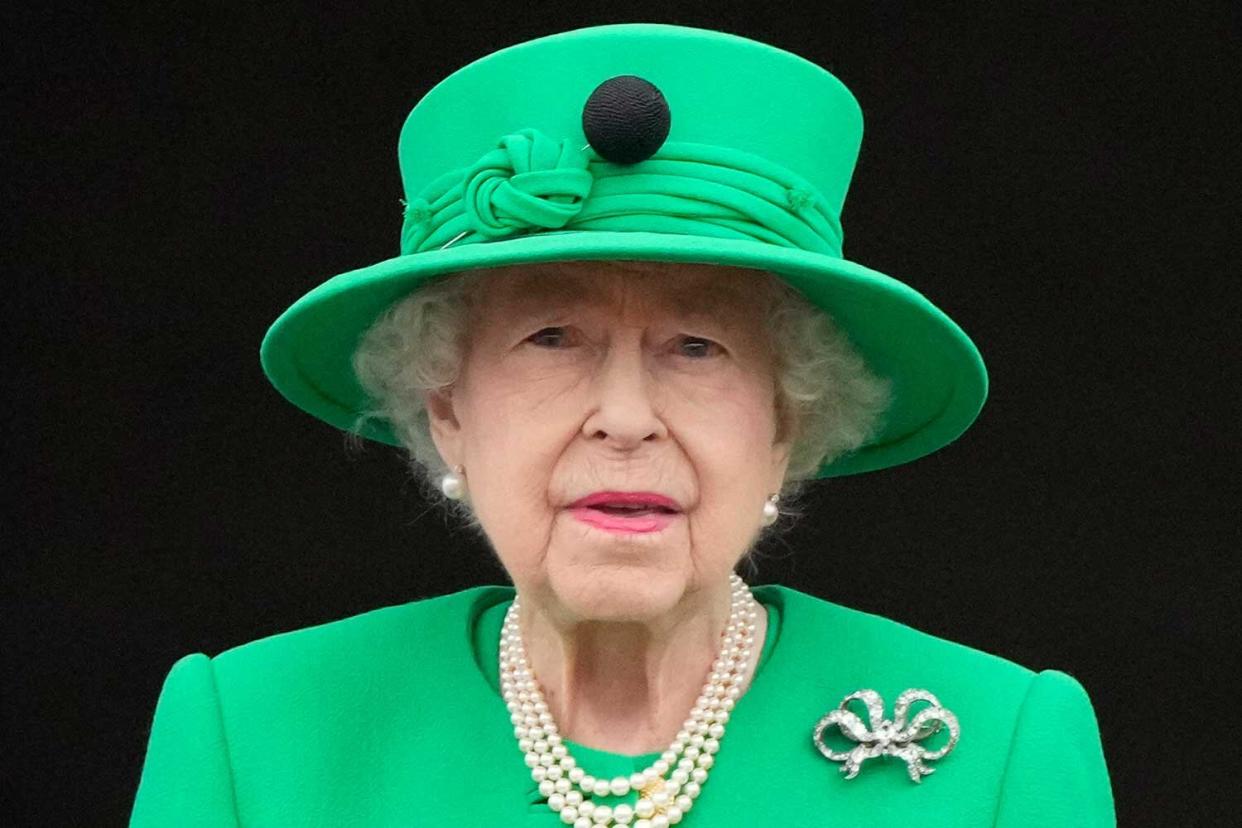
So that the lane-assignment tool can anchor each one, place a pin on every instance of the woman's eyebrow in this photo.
(707, 301)
(542, 295)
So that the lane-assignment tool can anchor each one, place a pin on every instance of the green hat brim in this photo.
(939, 382)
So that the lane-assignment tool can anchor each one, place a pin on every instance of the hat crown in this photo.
(722, 90)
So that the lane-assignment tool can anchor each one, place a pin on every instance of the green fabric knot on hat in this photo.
(530, 181)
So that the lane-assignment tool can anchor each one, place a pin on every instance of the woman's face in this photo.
(582, 378)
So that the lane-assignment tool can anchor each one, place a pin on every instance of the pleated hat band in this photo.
(533, 182)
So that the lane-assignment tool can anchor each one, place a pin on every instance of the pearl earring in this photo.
(770, 512)
(453, 484)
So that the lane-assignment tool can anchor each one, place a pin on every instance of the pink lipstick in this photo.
(626, 512)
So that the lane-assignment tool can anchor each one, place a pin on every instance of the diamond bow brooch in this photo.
(888, 737)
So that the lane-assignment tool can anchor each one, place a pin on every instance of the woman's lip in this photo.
(609, 522)
(649, 499)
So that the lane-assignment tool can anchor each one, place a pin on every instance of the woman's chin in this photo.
(622, 592)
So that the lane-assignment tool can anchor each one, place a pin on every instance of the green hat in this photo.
(640, 141)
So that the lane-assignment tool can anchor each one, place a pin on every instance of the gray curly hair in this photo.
(827, 400)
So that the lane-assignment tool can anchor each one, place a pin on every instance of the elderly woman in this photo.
(620, 359)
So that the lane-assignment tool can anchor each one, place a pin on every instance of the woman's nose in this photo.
(624, 412)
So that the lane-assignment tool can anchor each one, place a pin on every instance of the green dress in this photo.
(393, 717)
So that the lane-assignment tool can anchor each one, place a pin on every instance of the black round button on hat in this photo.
(626, 119)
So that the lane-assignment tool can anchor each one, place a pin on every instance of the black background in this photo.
(1053, 176)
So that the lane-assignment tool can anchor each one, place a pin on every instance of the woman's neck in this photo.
(628, 687)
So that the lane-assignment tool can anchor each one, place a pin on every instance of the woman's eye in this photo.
(548, 337)
(697, 347)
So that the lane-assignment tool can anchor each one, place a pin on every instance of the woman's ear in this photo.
(445, 429)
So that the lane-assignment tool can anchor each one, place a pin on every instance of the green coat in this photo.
(394, 718)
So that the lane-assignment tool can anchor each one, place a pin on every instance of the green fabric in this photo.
(497, 171)
(393, 718)
(535, 182)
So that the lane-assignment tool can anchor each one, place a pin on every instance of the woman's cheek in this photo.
(731, 417)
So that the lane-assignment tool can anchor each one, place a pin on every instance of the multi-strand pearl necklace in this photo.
(662, 802)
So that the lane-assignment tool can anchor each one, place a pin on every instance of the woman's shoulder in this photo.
(420, 623)
(301, 718)
(386, 645)
(1027, 733)
(871, 638)
(849, 649)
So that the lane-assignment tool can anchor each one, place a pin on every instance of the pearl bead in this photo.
(556, 802)
(619, 786)
(674, 814)
(452, 486)
(644, 808)
(643, 823)
(582, 822)
(659, 821)
(622, 814)
(569, 815)
(601, 814)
